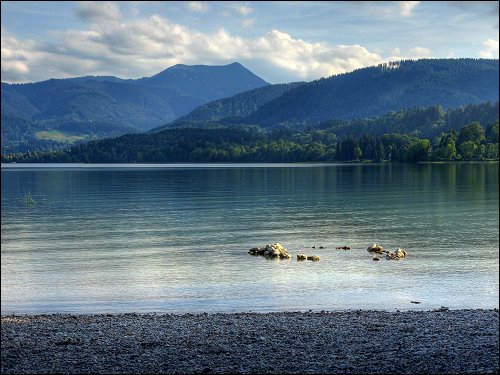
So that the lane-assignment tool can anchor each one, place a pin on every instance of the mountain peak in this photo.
(236, 64)
(217, 81)
(202, 67)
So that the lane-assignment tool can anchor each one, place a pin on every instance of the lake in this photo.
(175, 238)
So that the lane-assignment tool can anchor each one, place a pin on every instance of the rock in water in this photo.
(375, 249)
(275, 250)
(397, 255)
(400, 253)
(314, 258)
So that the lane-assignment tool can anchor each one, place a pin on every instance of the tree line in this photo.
(279, 144)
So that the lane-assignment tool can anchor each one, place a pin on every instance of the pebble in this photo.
(323, 342)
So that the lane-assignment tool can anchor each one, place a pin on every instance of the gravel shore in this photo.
(356, 342)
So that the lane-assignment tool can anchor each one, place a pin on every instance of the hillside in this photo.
(237, 106)
(417, 134)
(98, 107)
(378, 90)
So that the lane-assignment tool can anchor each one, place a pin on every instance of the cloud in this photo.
(396, 51)
(145, 46)
(198, 6)
(311, 60)
(406, 7)
(490, 50)
(14, 61)
(242, 9)
(96, 11)
(388, 9)
(419, 52)
(413, 53)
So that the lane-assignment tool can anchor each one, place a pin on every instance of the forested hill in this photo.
(400, 97)
(377, 90)
(236, 107)
(469, 133)
(96, 107)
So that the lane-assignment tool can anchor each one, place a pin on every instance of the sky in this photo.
(280, 41)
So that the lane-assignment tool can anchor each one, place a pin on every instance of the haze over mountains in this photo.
(191, 96)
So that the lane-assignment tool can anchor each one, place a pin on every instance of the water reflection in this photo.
(176, 239)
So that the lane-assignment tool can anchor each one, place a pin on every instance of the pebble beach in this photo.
(356, 342)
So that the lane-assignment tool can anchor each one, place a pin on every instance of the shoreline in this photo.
(324, 342)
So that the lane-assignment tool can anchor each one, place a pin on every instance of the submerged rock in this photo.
(343, 247)
(256, 251)
(314, 258)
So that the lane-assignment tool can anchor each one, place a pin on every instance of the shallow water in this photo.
(174, 238)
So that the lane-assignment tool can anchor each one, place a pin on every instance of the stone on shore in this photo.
(440, 341)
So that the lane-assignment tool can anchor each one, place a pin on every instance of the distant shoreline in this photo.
(230, 164)
(355, 341)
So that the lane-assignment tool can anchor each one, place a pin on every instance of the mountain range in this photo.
(96, 105)
(368, 92)
(41, 114)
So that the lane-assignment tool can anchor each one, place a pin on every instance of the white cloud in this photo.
(15, 67)
(242, 9)
(198, 6)
(420, 52)
(145, 46)
(396, 51)
(310, 60)
(490, 49)
(96, 11)
(413, 53)
(406, 7)
(14, 61)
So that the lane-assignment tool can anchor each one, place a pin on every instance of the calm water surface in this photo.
(174, 238)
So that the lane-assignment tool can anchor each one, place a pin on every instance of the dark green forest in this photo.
(466, 133)
(377, 90)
